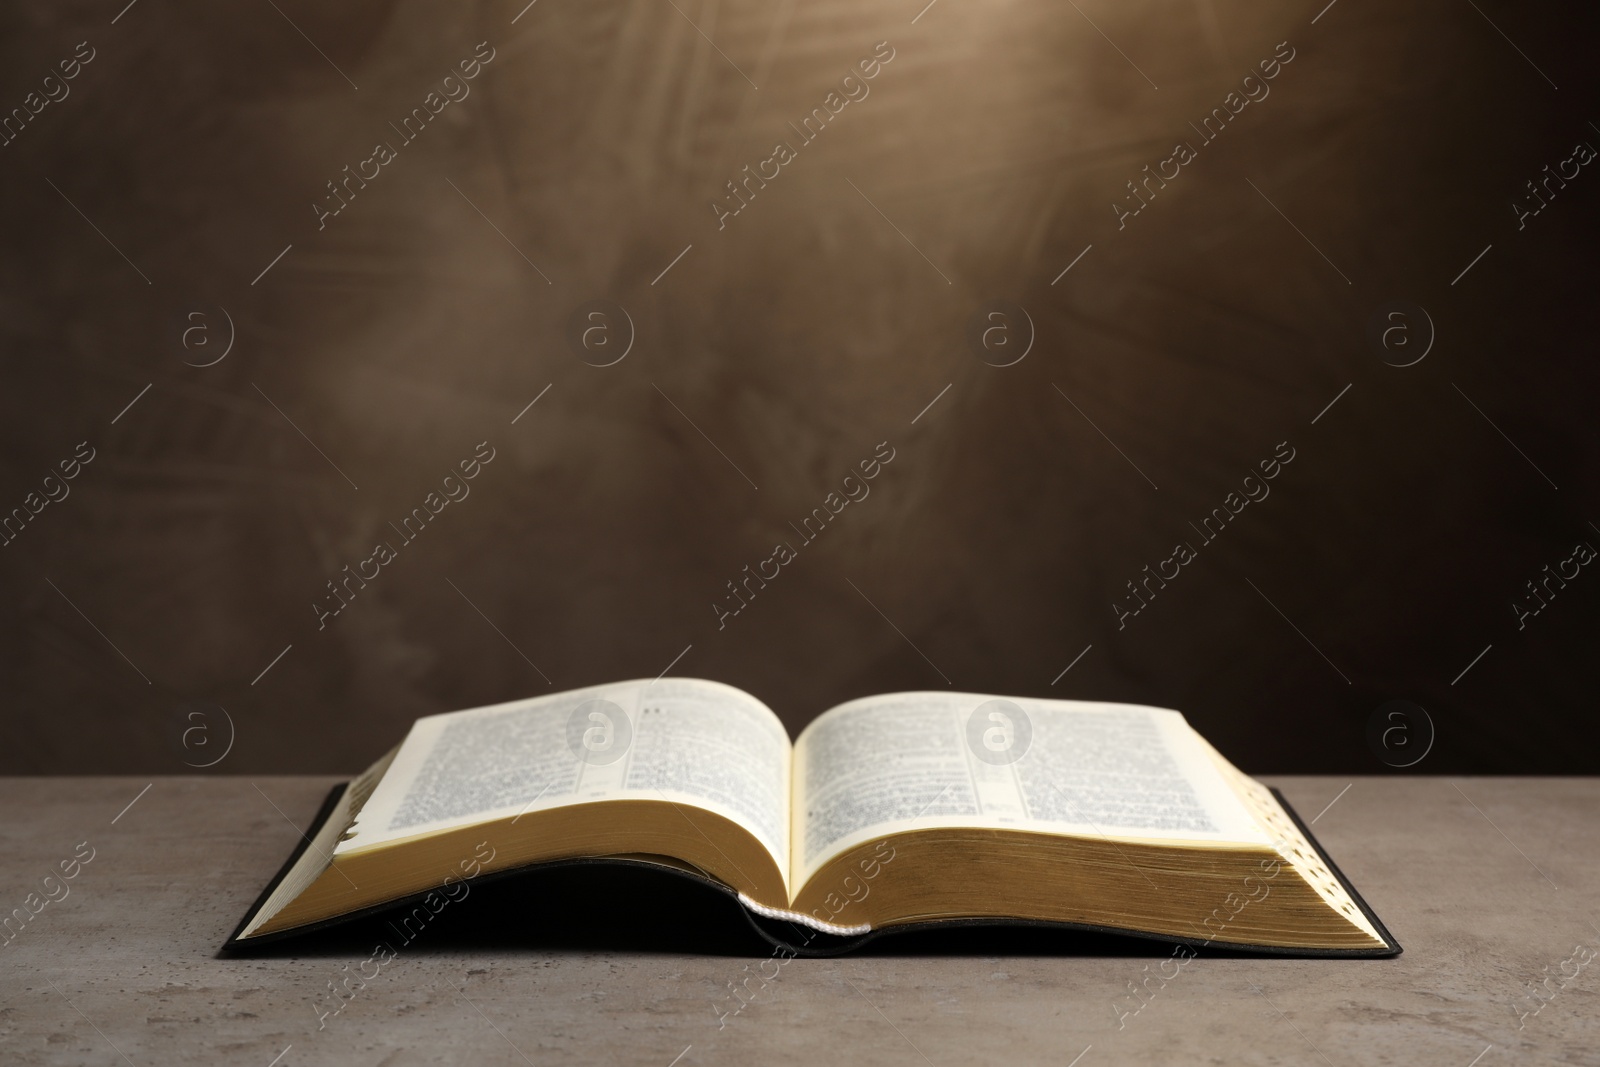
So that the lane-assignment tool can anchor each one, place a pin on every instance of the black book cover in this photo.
(795, 939)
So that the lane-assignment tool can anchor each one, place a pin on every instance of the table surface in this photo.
(1489, 883)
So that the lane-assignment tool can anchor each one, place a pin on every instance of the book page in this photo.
(905, 761)
(675, 739)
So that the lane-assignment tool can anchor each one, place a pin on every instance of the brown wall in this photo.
(779, 352)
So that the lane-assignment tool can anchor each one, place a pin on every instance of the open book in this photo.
(888, 812)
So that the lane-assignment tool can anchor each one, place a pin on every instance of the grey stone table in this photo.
(1490, 884)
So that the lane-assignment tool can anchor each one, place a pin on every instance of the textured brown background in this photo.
(796, 339)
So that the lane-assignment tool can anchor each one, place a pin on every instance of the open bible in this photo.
(887, 813)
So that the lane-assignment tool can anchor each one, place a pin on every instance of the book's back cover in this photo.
(793, 938)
